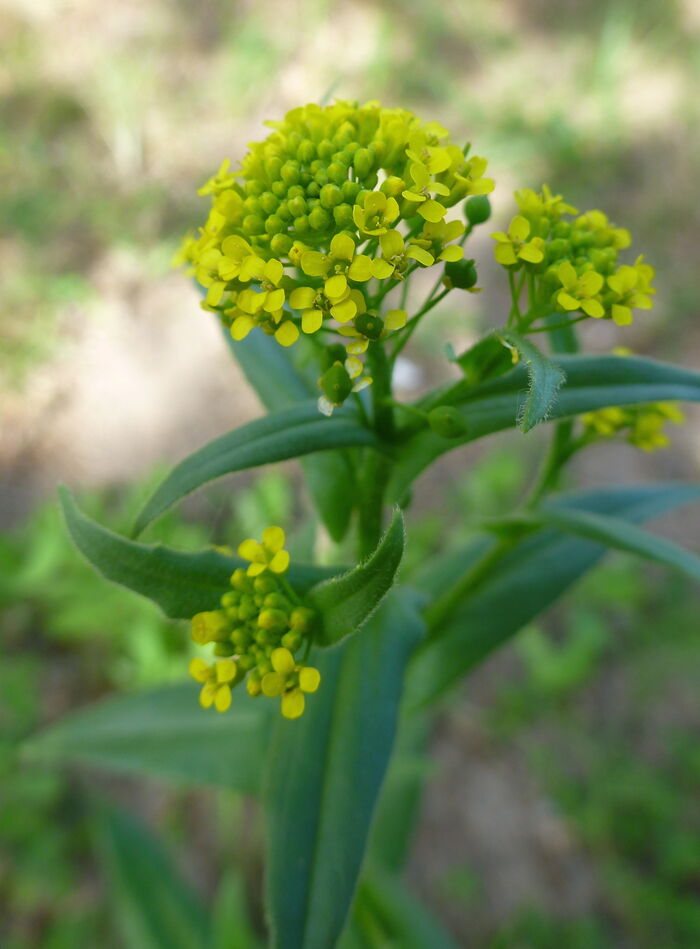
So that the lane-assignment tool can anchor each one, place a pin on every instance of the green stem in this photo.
(413, 322)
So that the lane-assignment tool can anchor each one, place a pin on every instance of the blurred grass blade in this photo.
(325, 772)
(182, 584)
(526, 581)
(347, 602)
(279, 383)
(230, 920)
(285, 434)
(154, 907)
(545, 378)
(166, 734)
(622, 536)
(384, 900)
(592, 382)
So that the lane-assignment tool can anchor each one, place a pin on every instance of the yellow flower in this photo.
(632, 289)
(580, 293)
(396, 253)
(514, 246)
(535, 206)
(217, 682)
(339, 381)
(268, 555)
(435, 240)
(376, 213)
(289, 681)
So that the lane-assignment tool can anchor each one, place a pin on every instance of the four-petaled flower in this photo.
(268, 555)
(289, 680)
(376, 214)
(580, 293)
(632, 288)
(216, 682)
(514, 246)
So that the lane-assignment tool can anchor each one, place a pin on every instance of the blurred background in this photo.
(563, 807)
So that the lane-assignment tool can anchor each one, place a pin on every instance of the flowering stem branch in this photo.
(413, 322)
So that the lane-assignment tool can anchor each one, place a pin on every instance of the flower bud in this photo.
(447, 422)
(369, 325)
(461, 274)
(336, 384)
(477, 209)
(330, 196)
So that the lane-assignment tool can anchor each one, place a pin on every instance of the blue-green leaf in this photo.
(346, 602)
(164, 733)
(616, 533)
(153, 906)
(525, 582)
(288, 433)
(325, 772)
(592, 382)
(182, 584)
(279, 383)
(545, 378)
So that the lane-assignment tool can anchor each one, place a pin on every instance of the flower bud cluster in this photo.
(256, 633)
(640, 425)
(336, 206)
(574, 263)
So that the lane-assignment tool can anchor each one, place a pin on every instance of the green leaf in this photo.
(527, 580)
(545, 378)
(618, 534)
(164, 733)
(271, 371)
(182, 584)
(347, 602)
(154, 906)
(288, 433)
(325, 772)
(592, 382)
(486, 359)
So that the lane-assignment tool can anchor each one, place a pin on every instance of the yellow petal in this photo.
(345, 311)
(395, 319)
(241, 326)
(361, 268)
(622, 315)
(309, 679)
(293, 704)
(531, 254)
(199, 669)
(593, 308)
(519, 228)
(206, 696)
(311, 320)
(255, 569)
(302, 298)
(273, 271)
(342, 247)
(567, 301)
(505, 255)
(335, 287)
(452, 253)
(391, 244)
(287, 334)
(222, 699)
(273, 539)
(282, 660)
(420, 254)
(567, 274)
(251, 550)
(225, 670)
(279, 562)
(314, 264)
(274, 300)
(381, 269)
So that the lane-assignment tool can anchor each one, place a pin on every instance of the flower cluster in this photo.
(323, 218)
(257, 631)
(573, 264)
(640, 425)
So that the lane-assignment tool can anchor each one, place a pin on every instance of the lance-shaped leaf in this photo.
(289, 433)
(545, 378)
(164, 733)
(592, 382)
(616, 533)
(346, 602)
(152, 905)
(280, 382)
(325, 772)
(524, 582)
(182, 584)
